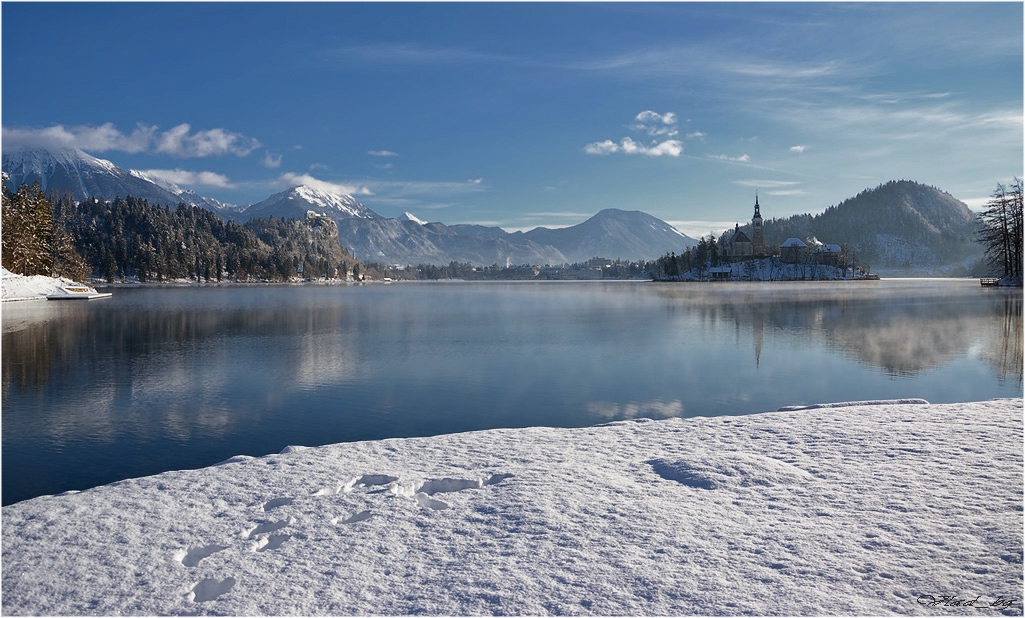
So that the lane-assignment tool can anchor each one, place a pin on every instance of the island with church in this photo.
(736, 256)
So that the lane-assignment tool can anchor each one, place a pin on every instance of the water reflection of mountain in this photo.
(900, 331)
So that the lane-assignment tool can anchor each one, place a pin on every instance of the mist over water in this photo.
(158, 379)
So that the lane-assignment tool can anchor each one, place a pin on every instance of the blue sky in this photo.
(528, 114)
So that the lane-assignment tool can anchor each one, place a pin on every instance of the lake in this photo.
(156, 379)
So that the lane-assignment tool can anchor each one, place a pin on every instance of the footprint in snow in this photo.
(275, 503)
(268, 543)
(194, 555)
(266, 528)
(369, 480)
(719, 471)
(209, 589)
(361, 516)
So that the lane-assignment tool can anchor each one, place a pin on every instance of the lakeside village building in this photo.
(741, 248)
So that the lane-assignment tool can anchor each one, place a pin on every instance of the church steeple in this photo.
(757, 239)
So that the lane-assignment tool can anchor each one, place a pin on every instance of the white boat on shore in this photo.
(77, 292)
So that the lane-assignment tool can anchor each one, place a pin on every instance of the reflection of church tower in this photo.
(757, 239)
(758, 330)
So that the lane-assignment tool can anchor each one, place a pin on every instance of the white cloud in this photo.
(97, 139)
(696, 135)
(271, 160)
(190, 178)
(798, 149)
(602, 148)
(670, 147)
(475, 181)
(290, 179)
(382, 153)
(784, 192)
(652, 123)
(178, 141)
(648, 116)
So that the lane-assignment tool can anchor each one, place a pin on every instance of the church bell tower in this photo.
(757, 239)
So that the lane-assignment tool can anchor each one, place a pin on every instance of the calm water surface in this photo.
(160, 379)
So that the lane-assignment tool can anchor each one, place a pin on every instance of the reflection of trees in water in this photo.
(1004, 340)
(901, 334)
(117, 361)
(904, 345)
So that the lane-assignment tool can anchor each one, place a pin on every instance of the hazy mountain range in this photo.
(900, 227)
(371, 237)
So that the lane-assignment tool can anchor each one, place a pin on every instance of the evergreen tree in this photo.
(27, 237)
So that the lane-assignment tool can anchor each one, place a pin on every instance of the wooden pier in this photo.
(989, 282)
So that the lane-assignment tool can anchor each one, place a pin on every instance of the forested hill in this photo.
(899, 227)
(132, 238)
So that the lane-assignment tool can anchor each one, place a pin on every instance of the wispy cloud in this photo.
(766, 184)
(188, 178)
(103, 138)
(382, 153)
(699, 228)
(798, 148)
(721, 157)
(394, 189)
(406, 53)
(271, 160)
(179, 141)
(291, 179)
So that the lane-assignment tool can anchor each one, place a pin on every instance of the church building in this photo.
(740, 246)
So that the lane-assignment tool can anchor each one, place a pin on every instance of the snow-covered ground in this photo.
(888, 508)
(36, 287)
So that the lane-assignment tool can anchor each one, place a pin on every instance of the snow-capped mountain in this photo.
(405, 242)
(294, 203)
(190, 197)
(614, 233)
(81, 175)
(611, 234)
(408, 216)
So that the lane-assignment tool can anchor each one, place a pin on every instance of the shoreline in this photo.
(859, 509)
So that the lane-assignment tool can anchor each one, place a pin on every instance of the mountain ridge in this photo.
(898, 227)
(407, 240)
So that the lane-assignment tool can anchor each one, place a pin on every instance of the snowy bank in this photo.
(892, 508)
(37, 287)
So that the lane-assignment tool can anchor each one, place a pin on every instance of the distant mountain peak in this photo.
(408, 216)
(295, 201)
(80, 174)
(41, 160)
